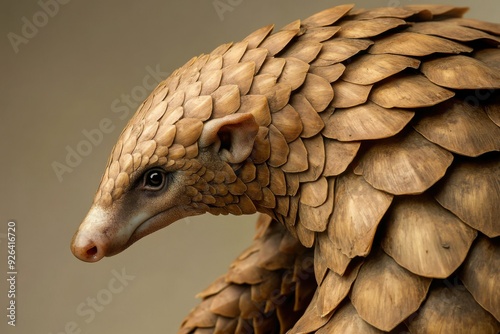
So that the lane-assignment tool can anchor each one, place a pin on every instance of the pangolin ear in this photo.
(232, 136)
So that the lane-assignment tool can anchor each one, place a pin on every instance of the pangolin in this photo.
(367, 139)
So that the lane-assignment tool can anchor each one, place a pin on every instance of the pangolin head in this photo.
(175, 158)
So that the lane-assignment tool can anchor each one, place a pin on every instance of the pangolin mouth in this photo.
(153, 224)
(148, 226)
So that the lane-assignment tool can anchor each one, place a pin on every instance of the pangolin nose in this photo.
(87, 249)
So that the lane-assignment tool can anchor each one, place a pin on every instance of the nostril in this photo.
(91, 252)
(87, 249)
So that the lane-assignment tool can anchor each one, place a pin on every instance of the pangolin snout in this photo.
(108, 231)
(92, 240)
(86, 248)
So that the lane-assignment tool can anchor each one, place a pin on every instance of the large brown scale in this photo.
(375, 159)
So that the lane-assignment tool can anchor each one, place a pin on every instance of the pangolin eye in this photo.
(154, 179)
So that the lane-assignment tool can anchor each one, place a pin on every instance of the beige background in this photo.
(63, 81)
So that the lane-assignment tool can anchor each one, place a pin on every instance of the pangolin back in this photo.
(378, 147)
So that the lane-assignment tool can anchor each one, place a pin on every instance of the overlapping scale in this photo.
(490, 27)
(336, 50)
(328, 256)
(471, 190)
(425, 238)
(381, 12)
(311, 122)
(467, 316)
(347, 320)
(317, 91)
(315, 209)
(414, 44)
(437, 10)
(239, 74)
(348, 94)
(316, 155)
(294, 73)
(234, 54)
(451, 31)
(365, 122)
(368, 28)
(319, 34)
(277, 41)
(352, 227)
(479, 274)
(255, 38)
(399, 165)
(327, 17)
(334, 289)
(369, 69)
(409, 91)
(461, 72)
(397, 292)
(461, 128)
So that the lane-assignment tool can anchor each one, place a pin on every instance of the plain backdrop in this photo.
(59, 80)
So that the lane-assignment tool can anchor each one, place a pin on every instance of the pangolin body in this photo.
(368, 138)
